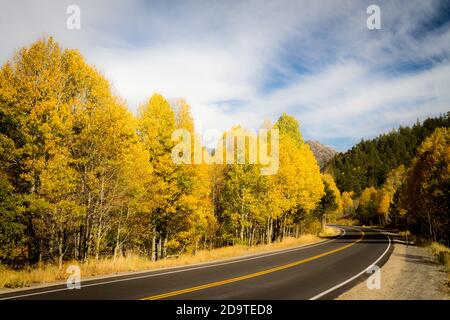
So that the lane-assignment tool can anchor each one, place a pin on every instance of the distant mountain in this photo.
(322, 152)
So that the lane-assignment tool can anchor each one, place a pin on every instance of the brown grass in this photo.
(329, 232)
(438, 250)
(442, 253)
(348, 222)
(50, 273)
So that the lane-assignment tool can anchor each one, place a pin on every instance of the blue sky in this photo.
(242, 62)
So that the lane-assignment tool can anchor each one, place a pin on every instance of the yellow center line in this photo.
(252, 275)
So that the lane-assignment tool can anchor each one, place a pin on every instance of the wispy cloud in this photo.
(242, 62)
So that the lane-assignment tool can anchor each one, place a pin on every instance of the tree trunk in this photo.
(159, 249)
(116, 248)
(60, 251)
(271, 230)
(164, 253)
(252, 237)
(153, 253)
(98, 240)
(430, 224)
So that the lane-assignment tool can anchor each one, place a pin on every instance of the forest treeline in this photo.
(369, 162)
(400, 179)
(82, 178)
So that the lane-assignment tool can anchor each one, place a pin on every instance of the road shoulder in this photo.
(411, 273)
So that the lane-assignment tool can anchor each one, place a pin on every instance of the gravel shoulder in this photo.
(411, 273)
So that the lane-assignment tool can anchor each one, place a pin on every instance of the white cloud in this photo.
(242, 62)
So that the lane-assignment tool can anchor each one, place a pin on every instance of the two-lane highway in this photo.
(310, 272)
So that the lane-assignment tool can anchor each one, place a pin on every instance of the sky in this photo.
(244, 62)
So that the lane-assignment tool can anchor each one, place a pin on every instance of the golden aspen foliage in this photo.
(201, 222)
(348, 203)
(82, 178)
(337, 195)
(296, 189)
(425, 195)
(71, 137)
(299, 171)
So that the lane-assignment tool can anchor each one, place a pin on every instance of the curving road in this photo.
(317, 271)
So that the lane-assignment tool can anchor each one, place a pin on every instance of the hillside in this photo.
(322, 152)
(369, 162)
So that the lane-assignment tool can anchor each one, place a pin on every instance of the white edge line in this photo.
(355, 276)
(259, 256)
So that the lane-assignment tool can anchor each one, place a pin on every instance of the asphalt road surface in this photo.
(317, 271)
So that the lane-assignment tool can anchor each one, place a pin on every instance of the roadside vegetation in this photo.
(348, 222)
(442, 254)
(439, 251)
(413, 197)
(84, 180)
(46, 273)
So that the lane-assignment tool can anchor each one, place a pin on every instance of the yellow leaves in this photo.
(8, 91)
(289, 126)
(174, 244)
(384, 203)
(82, 154)
(38, 71)
(425, 192)
(337, 194)
(58, 179)
(348, 204)
(183, 116)
(394, 179)
(299, 180)
(181, 193)
(438, 142)
(368, 195)
(157, 122)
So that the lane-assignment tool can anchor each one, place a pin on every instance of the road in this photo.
(317, 271)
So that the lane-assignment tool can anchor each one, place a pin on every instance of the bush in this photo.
(348, 222)
(441, 252)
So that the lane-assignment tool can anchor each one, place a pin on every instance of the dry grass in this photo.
(329, 232)
(49, 273)
(348, 222)
(442, 253)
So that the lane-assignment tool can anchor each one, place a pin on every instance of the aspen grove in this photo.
(83, 178)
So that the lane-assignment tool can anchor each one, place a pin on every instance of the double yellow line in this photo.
(251, 275)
